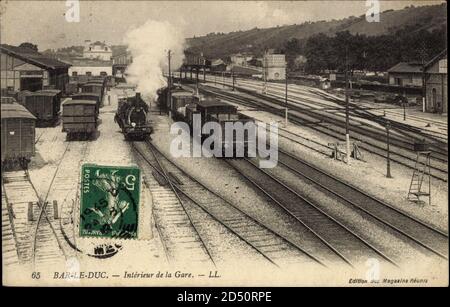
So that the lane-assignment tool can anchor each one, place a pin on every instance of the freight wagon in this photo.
(97, 87)
(180, 98)
(88, 96)
(79, 118)
(17, 135)
(44, 105)
(214, 110)
(72, 87)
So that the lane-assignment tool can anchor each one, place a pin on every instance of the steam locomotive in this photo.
(132, 118)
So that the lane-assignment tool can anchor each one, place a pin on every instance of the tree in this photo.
(29, 46)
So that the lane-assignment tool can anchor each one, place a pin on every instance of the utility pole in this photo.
(264, 91)
(424, 83)
(404, 106)
(404, 111)
(169, 94)
(232, 77)
(347, 135)
(286, 98)
(388, 158)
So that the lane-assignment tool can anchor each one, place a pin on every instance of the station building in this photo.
(97, 50)
(23, 68)
(90, 67)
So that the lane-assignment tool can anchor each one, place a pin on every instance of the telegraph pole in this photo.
(264, 91)
(388, 158)
(286, 98)
(169, 94)
(347, 135)
(232, 77)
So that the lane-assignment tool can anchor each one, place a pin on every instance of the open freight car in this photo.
(79, 118)
(18, 134)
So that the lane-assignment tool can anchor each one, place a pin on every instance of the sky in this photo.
(44, 22)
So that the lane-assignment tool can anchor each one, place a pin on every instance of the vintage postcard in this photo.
(224, 143)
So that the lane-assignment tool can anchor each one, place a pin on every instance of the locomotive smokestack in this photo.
(138, 96)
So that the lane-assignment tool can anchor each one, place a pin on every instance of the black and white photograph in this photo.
(224, 144)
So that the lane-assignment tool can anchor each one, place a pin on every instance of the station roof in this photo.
(33, 57)
(78, 101)
(404, 67)
(441, 55)
(82, 62)
(15, 110)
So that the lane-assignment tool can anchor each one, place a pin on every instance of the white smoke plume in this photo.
(149, 45)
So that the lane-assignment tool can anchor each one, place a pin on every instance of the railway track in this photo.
(39, 236)
(345, 243)
(32, 222)
(313, 121)
(275, 248)
(176, 227)
(405, 131)
(432, 239)
(316, 98)
(10, 251)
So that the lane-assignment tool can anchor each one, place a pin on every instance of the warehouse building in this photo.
(23, 68)
(406, 74)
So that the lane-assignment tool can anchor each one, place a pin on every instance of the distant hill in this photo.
(219, 45)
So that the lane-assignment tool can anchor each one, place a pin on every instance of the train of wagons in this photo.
(22, 112)
(183, 105)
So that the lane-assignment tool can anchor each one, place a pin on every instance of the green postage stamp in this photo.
(109, 202)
